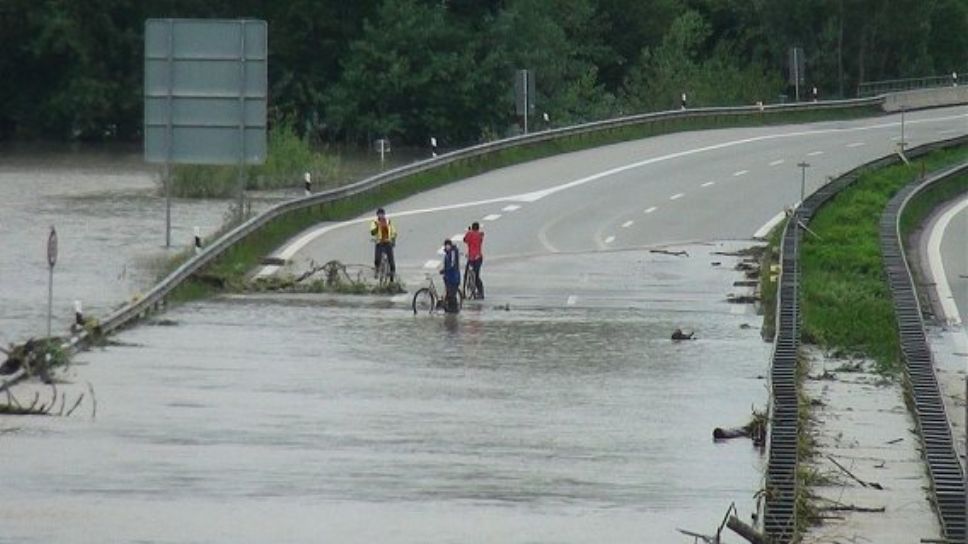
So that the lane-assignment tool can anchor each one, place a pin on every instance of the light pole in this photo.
(803, 178)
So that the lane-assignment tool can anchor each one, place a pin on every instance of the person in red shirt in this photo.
(474, 238)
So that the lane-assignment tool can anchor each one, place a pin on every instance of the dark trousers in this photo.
(381, 248)
(450, 298)
(476, 265)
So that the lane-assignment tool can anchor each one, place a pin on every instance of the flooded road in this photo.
(110, 223)
(314, 418)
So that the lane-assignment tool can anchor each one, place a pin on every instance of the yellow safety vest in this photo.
(375, 231)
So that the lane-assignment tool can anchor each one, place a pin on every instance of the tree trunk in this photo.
(745, 531)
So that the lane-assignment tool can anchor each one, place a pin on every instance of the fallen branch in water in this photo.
(667, 252)
(874, 485)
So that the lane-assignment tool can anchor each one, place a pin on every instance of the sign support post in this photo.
(51, 260)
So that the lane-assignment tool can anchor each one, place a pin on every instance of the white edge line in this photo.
(290, 250)
(936, 264)
(763, 231)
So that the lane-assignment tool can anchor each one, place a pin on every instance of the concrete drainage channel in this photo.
(943, 464)
(779, 501)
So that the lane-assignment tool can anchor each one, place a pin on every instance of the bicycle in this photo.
(383, 271)
(427, 300)
(469, 290)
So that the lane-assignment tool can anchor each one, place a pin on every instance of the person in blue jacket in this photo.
(451, 273)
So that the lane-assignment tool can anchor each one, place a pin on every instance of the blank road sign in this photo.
(205, 91)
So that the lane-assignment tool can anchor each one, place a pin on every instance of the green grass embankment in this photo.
(846, 302)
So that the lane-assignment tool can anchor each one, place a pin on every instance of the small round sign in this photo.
(52, 247)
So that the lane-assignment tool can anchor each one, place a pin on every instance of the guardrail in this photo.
(779, 508)
(155, 298)
(873, 88)
(935, 430)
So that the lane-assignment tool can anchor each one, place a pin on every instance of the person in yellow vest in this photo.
(384, 237)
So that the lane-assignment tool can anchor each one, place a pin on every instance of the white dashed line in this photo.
(627, 224)
(431, 264)
(814, 153)
(510, 208)
(650, 210)
(777, 162)
(708, 183)
(741, 173)
(572, 299)
(855, 144)
(677, 196)
(610, 239)
(457, 237)
(492, 217)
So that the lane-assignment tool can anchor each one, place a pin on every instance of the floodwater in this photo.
(293, 420)
(110, 222)
(317, 418)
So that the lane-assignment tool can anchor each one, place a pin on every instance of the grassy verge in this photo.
(288, 157)
(769, 281)
(846, 302)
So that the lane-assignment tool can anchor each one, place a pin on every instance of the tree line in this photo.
(354, 70)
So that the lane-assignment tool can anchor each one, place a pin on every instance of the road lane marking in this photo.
(457, 237)
(492, 217)
(708, 183)
(948, 131)
(777, 162)
(610, 239)
(650, 210)
(431, 264)
(740, 173)
(855, 144)
(572, 299)
(627, 224)
(936, 263)
(763, 231)
(814, 153)
(287, 252)
(537, 195)
(510, 208)
(677, 196)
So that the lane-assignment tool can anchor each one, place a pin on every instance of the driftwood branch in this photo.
(874, 485)
(76, 404)
(745, 531)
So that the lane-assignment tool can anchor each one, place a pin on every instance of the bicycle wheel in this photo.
(470, 284)
(384, 272)
(424, 301)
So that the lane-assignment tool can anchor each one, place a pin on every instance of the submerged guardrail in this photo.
(779, 508)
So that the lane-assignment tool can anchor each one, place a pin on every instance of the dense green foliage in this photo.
(288, 157)
(410, 69)
(846, 302)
